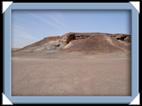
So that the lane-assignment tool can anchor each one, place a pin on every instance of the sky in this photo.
(31, 26)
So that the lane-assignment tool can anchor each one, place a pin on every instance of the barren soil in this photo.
(71, 74)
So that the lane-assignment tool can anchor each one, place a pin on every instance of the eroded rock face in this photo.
(122, 37)
(77, 36)
(68, 37)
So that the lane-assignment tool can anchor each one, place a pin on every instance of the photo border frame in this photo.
(71, 99)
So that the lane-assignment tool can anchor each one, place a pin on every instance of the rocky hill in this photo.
(80, 42)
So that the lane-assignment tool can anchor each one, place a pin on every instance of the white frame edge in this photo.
(5, 5)
(136, 100)
(5, 100)
(136, 5)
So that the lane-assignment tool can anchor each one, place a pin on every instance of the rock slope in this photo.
(80, 42)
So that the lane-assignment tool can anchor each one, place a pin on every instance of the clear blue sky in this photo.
(30, 26)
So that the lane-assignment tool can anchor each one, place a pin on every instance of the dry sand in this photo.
(71, 74)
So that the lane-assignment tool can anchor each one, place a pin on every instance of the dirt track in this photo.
(71, 74)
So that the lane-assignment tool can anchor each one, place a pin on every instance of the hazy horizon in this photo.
(31, 26)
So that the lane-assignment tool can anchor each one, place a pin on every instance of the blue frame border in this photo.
(72, 99)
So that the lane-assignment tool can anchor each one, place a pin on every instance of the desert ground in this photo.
(71, 74)
(73, 65)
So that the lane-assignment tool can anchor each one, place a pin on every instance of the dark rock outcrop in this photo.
(123, 37)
